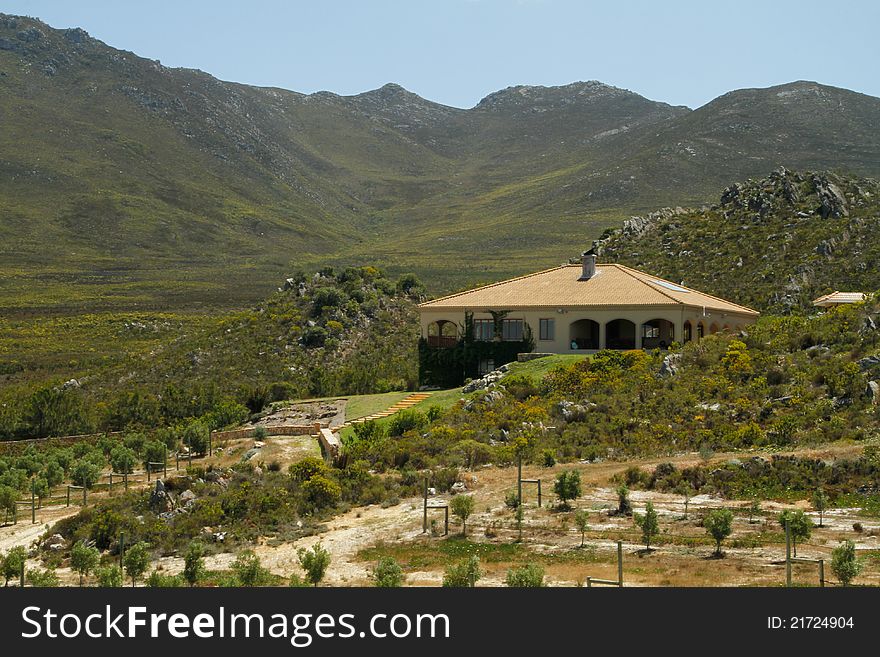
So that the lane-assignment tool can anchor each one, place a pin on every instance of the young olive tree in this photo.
(462, 508)
(719, 525)
(582, 520)
(12, 563)
(567, 487)
(844, 564)
(799, 526)
(624, 506)
(83, 559)
(136, 561)
(820, 503)
(649, 524)
(314, 562)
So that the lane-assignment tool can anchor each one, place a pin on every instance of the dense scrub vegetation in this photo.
(240, 504)
(345, 332)
(788, 381)
(842, 482)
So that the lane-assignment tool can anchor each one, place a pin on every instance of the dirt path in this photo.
(25, 533)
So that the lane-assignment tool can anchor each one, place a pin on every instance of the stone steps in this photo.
(407, 402)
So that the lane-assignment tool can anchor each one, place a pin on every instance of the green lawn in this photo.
(539, 367)
(361, 405)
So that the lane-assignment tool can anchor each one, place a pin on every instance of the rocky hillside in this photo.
(128, 184)
(773, 243)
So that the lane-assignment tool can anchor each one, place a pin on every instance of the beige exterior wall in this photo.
(677, 316)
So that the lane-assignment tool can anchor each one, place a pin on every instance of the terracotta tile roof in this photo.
(839, 297)
(612, 285)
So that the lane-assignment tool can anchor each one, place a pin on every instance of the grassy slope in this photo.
(128, 185)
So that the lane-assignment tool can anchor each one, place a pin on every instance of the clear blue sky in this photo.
(457, 51)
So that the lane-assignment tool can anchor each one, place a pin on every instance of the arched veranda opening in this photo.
(583, 334)
(620, 334)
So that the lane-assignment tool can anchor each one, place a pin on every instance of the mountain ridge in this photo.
(120, 171)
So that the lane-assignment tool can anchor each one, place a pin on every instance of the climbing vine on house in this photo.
(450, 366)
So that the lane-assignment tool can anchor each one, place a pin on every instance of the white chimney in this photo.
(588, 260)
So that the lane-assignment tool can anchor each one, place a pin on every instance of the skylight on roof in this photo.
(671, 286)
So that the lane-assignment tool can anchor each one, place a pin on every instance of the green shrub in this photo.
(388, 573)
(464, 574)
(249, 571)
(527, 576)
(405, 420)
(109, 576)
(844, 564)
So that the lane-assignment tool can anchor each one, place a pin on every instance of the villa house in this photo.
(578, 308)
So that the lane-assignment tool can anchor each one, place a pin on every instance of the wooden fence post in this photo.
(519, 478)
(620, 563)
(787, 554)
(425, 508)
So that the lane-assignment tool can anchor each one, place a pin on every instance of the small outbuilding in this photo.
(837, 298)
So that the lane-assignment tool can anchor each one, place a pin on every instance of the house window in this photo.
(649, 331)
(512, 330)
(701, 330)
(486, 366)
(687, 331)
(484, 330)
(548, 329)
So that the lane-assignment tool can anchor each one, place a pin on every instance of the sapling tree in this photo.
(624, 506)
(648, 523)
(83, 559)
(844, 564)
(685, 490)
(8, 496)
(123, 459)
(314, 562)
(719, 525)
(799, 526)
(136, 561)
(519, 514)
(820, 503)
(567, 487)
(84, 473)
(194, 563)
(462, 507)
(754, 509)
(582, 520)
(40, 487)
(154, 452)
(12, 563)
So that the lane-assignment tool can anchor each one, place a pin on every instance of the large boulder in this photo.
(54, 543)
(670, 365)
(160, 500)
